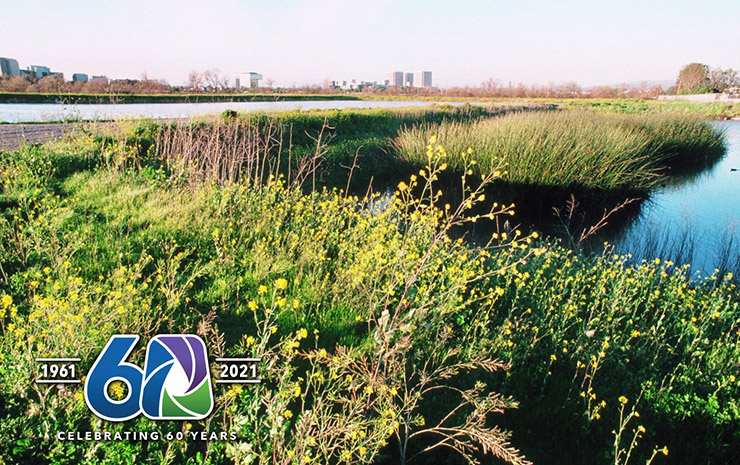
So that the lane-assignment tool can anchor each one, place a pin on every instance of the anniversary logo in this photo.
(175, 384)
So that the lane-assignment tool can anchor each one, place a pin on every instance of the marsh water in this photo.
(43, 112)
(695, 219)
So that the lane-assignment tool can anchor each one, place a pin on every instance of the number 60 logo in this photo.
(175, 383)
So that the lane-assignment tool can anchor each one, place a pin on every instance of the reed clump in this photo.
(571, 149)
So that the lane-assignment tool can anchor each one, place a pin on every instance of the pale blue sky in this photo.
(463, 42)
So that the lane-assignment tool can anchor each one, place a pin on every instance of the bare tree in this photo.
(491, 84)
(48, 84)
(150, 86)
(96, 87)
(722, 79)
(655, 91)
(215, 80)
(14, 84)
(570, 88)
(195, 80)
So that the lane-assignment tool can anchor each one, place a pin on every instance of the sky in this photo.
(297, 42)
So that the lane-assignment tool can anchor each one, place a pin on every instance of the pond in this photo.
(41, 112)
(695, 219)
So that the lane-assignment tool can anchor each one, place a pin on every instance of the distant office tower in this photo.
(99, 79)
(395, 78)
(423, 79)
(409, 80)
(247, 80)
(79, 77)
(9, 67)
(38, 71)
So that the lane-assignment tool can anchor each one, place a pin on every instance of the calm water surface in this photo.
(39, 112)
(696, 220)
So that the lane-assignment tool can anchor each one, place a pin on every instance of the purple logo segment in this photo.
(176, 379)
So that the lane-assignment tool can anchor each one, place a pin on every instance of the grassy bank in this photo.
(569, 150)
(708, 110)
(291, 141)
(695, 109)
(372, 322)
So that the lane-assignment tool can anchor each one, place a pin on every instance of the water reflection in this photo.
(695, 218)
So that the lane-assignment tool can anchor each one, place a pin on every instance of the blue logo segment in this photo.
(175, 384)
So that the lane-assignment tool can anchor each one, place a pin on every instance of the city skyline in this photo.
(303, 42)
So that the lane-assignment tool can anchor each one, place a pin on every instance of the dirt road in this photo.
(13, 135)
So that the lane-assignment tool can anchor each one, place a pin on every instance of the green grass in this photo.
(710, 110)
(91, 247)
(359, 136)
(714, 110)
(572, 149)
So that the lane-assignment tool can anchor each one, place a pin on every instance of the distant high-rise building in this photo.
(247, 80)
(79, 77)
(423, 79)
(38, 71)
(99, 79)
(9, 67)
(409, 80)
(395, 78)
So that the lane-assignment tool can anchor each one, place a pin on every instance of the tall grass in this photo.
(253, 145)
(569, 149)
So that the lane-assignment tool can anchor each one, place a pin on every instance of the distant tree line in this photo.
(571, 89)
(213, 81)
(693, 78)
(55, 84)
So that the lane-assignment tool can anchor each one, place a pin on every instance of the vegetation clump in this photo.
(571, 149)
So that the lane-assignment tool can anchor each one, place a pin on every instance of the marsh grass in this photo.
(571, 150)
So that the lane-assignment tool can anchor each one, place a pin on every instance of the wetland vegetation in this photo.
(325, 243)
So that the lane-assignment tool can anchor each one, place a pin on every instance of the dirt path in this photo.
(13, 135)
